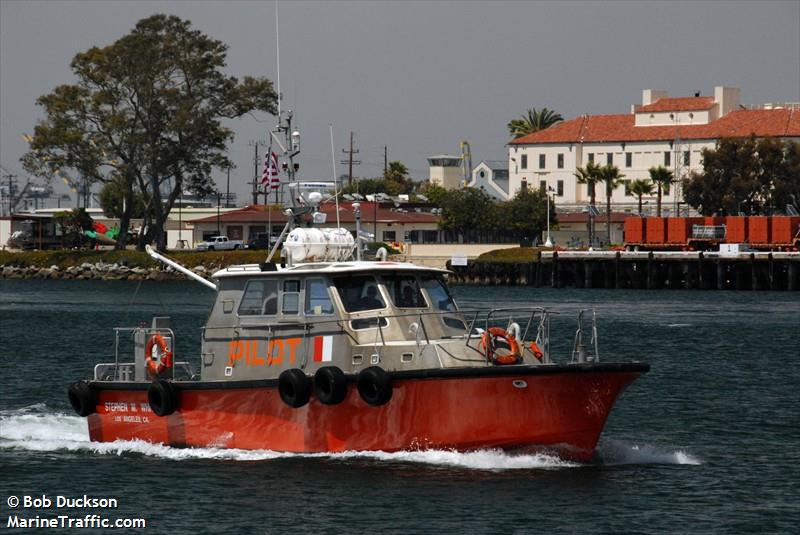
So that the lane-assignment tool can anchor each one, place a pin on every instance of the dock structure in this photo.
(651, 270)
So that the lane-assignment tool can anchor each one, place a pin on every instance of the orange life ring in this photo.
(488, 341)
(157, 356)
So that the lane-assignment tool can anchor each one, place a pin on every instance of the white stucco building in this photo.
(661, 131)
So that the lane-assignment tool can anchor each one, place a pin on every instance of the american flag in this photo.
(270, 169)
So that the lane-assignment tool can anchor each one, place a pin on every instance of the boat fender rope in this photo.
(157, 356)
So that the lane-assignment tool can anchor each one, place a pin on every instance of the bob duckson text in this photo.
(68, 502)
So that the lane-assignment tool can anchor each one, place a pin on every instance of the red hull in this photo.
(563, 410)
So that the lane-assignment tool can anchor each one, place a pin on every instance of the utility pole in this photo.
(385, 160)
(255, 145)
(350, 161)
(10, 197)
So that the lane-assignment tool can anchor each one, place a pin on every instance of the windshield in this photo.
(404, 291)
(438, 294)
(359, 293)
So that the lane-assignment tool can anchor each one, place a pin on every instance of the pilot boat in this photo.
(320, 352)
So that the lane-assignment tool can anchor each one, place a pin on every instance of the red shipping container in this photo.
(758, 229)
(713, 221)
(679, 229)
(634, 230)
(655, 230)
(737, 229)
(784, 229)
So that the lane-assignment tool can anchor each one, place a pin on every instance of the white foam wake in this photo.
(617, 452)
(37, 430)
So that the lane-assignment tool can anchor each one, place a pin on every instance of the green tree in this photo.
(755, 176)
(115, 194)
(147, 109)
(533, 121)
(526, 213)
(590, 175)
(73, 223)
(662, 178)
(466, 210)
(641, 188)
(611, 176)
(434, 193)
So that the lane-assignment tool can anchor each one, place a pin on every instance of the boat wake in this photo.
(37, 429)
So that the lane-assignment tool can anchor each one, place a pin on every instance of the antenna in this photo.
(278, 53)
(335, 187)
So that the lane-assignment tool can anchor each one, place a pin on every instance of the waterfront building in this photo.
(665, 131)
(492, 177)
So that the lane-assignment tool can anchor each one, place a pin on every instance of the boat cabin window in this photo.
(260, 298)
(291, 297)
(359, 292)
(318, 301)
(404, 291)
(438, 293)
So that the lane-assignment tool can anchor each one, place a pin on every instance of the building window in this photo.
(627, 188)
(389, 235)
(590, 189)
(542, 186)
(686, 158)
(524, 163)
(560, 188)
(628, 159)
(561, 161)
(430, 236)
(591, 157)
(609, 158)
(524, 185)
(541, 161)
(667, 158)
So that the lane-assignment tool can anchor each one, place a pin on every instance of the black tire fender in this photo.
(294, 387)
(375, 386)
(163, 397)
(330, 385)
(82, 398)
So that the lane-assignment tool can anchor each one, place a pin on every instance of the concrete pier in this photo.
(749, 271)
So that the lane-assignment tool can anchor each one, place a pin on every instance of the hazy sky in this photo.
(421, 76)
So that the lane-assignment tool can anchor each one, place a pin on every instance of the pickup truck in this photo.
(219, 243)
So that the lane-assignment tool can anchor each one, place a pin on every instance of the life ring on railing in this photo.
(157, 356)
(510, 354)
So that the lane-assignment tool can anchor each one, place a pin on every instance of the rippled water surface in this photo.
(707, 442)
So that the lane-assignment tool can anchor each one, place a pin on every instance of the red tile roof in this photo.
(258, 214)
(608, 128)
(678, 104)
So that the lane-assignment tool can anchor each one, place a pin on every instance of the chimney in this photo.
(726, 98)
(652, 95)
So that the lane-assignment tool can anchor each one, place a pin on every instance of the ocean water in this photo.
(707, 442)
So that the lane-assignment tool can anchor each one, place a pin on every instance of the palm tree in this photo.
(640, 188)
(611, 176)
(534, 121)
(589, 175)
(662, 178)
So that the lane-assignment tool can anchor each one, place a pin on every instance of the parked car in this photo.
(261, 241)
(219, 243)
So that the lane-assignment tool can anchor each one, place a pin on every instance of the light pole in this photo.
(548, 242)
(219, 194)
